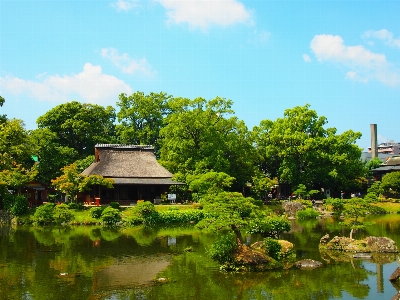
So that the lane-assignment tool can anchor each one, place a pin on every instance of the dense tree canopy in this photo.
(198, 137)
(141, 117)
(80, 126)
(298, 149)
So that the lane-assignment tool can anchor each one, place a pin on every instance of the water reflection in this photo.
(103, 263)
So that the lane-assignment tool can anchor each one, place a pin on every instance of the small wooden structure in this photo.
(136, 173)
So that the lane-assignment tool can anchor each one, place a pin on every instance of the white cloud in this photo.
(125, 5)
(384, 35)
(306, 58)
(127, 64)
(203, 13)
(91, 85)
(364, 65)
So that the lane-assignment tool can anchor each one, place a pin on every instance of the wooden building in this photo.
(136, 173)
(392, 164)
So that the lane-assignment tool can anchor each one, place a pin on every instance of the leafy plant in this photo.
(111, 216)
(224, 249)
(95, 212)
(62, 213)
(114, 205)
(20, 206)
(272, 247)
(270, 226)
(308, 213)
(44, 214)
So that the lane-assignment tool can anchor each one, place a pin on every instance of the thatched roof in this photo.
(128, 164)
(393, 161)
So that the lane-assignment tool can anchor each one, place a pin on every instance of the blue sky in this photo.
(341, 57)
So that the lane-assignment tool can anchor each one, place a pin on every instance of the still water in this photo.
(100, 263)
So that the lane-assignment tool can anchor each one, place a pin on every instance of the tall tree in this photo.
(199, 138)
(80, 126)
(297, 149)
(141, 117)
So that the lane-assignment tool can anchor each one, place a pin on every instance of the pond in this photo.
(102, 263)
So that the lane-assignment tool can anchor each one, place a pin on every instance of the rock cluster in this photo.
(367, 245)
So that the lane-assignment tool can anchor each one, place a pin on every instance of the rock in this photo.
(381, 244)
(162, 280)
(362, 255)
(291, 208)
(369, 244)
(395, 275)
(308, 264)
(324, 240)
(396, 297)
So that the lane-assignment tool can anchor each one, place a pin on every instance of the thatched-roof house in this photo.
(135, 171)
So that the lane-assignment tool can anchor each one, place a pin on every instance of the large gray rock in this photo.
(395, 276)
(308, 264)
(291, 207)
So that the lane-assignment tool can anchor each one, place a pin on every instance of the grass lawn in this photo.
(389, 206)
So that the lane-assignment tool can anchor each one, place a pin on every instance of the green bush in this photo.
(111, 216)
(95, 212)
(224, 249)
(20, 206)
(272, 247)
(77, 206)
(337, 204)
(180, 216)
(62, 213)
(147, 212)
(114, 205)
(308, 213)
(44, 214)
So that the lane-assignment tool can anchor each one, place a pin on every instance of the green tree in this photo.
(16, 142)
(210, 182)
(354, 209)
(227, 210)
(298, 149)
(71, 182)
(141, 117)
(51, 154)
(391, 183)
(198, 138)
(80, 126)
(3, 118)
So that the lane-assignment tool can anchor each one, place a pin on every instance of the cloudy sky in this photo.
(341, 57)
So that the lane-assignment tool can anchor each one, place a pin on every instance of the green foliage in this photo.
(272, 247)
(77, 206)
(391, 183)
(376, 188)
(141, 118)
(270, 226)
(82, 164)
(95, 212)
(210, 182)
(18, 205)
(308, 213)
(44, 214)
(336, 203)
(200, 136)
(62, 213)
(114, 205)
(224, 249)
(111, 216)
(261, 184)
(80, 125)
(354, 209)
(372, 164)
(180, 216)
(297, 149)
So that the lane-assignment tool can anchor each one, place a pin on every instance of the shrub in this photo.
(272, 247)
(95, 212)
(44, 213)
(20, 205)
(62, 213)
(337, 204)
(180, 216)
(111, 216)
(308, 213)
(114, 205)
(224, 249)
(77, 206)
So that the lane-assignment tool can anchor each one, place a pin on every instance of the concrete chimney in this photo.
(374, 141)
